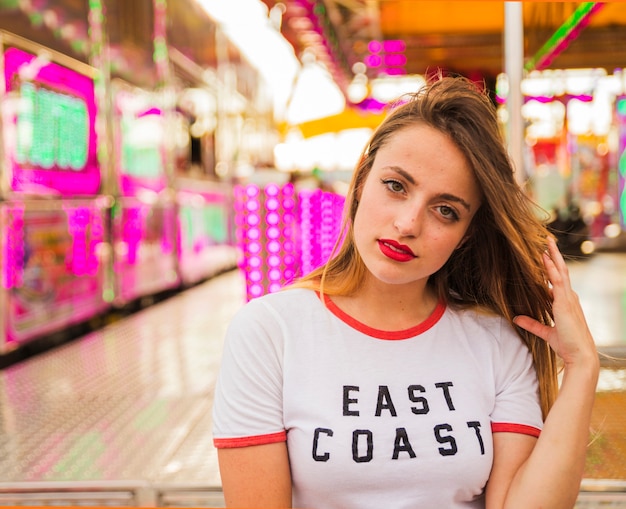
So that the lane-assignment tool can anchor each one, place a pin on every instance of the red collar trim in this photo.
(434, 317)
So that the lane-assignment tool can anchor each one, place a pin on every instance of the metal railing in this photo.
(108, 494)
(594, 494)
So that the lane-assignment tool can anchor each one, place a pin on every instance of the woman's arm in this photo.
(548, 474)
(256, 476)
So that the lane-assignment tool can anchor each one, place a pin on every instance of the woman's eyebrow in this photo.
(457, 199)
(406, 175)
(445, 196)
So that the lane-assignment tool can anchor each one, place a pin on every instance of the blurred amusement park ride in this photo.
(381, 38)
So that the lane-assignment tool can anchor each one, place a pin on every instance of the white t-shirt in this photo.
(374, 418)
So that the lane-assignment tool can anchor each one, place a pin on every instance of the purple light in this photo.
(87, 233)
(395, 71)
(394, 46)
(273, 218)
(253, 220)
(273, 261)
(394, 60)
(254, 234)
(273, 246)
(274, 287)
(372, 105)
(13, 249)
(286, 232)
(271, 204)
(131, 232)
(67, 83)
(320, 224)
(374, 46)
(138, 167)
(254, 261)
(274, 275)
(373, 61)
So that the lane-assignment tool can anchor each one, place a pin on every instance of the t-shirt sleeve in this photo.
(517, 406)
(248, 405)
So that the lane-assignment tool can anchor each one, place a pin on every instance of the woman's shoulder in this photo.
(270, 313)
(481, 320)
(284, 301)
(490, 336)
(475, 313)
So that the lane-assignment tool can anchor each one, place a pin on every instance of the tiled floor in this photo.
(601, 284)
(122, 416)
(606, 458)
(125, 410)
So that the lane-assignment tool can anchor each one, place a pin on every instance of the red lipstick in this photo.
(396, 251)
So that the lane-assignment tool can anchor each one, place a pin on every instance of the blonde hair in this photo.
(500, 265)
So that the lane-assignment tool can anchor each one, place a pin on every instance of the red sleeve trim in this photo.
(507, 427)
(229, 443)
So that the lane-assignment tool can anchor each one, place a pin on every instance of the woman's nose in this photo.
(408, 222)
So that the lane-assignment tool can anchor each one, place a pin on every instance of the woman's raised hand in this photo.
(569, 336)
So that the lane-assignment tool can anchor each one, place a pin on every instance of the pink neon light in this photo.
(394, 60)
(13, 249)
(373, 60)
(320, 224)
(85, 226)
(137, 119)
(282, 237)
(30, 179)
(395, 71)
(130, 184)
(374, 46)
(272, 190)
(273, 218)
(394, 46)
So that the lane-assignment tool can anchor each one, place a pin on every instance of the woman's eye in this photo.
(393, 185)
(448, 212)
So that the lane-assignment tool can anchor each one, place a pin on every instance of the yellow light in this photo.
(587, 247)
(612, 231)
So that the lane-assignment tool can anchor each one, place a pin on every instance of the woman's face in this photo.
(415, 207)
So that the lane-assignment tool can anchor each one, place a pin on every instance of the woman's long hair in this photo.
(500, 265)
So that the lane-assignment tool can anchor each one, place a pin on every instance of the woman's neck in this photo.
(389, 307)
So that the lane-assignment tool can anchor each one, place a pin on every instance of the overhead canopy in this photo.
(350, 118)
(465, 37)
(461, 36)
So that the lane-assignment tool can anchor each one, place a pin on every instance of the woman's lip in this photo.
(395, 251)
(398, 246)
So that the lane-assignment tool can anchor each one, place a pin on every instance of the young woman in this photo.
(418, 367)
